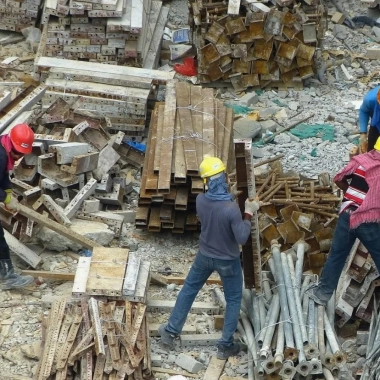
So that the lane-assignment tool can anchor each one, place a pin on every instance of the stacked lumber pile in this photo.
(190, 125)
(17, 15)
(294, 209)
(258, 47)
(112, 31)
(100, 338)
(357, 287)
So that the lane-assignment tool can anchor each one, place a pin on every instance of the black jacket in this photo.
(5, 182)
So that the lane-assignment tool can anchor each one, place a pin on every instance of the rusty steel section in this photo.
(246, 184)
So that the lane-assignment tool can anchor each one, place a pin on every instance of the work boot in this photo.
(314, 293)
(167, 339)
(224, 352)
(11, 280)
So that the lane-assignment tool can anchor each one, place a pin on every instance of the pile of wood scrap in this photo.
(17, 15)
(358, 286)
(255, 45)
(190, 125)
(114, 32)
(296, 209)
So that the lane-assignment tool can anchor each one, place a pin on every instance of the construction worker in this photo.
(359, 217)
(222, 230)
(13, 146)
(370, 109)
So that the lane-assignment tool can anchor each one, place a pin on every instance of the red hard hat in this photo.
(22, 138)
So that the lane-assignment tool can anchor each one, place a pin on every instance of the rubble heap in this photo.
(191, 124)
(17, 15)
(115, 32)
(257, 46)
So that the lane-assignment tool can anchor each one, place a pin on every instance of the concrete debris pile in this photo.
(191, 124)
(100, 336)
(285, 331)
(18, 15)
(114, 32)
(256, 45)
(357, 287)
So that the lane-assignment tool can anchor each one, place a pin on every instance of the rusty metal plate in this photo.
(239, 66)
(236, 82)
(274, 22)
(305, 52)
(260, 67)
(239, 50)
(257, 29)
(214, 32)
(301, 16)
(289, 19)
(245, 36)
(302, 62)
(290, 75)
(291, 31)
(284, 69)
(223, 46)
(270, 233)
(287, 51)
(225, 61)
(283, 61)
(262, 49)
(309, 33)
(254, 17)
(272, 75)
(289, 232)
(306, 72)
(214, 72)
(209, 53)
(251, 80)
(235, 26)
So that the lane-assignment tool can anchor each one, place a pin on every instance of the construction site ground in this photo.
(333, 103)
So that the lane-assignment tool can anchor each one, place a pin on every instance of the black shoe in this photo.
(224, 352)
(11, 280)
(167, 339)
(312, 292)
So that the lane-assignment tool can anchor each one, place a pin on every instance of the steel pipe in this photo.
(250, 340)
(273, 318)
(311, 321)
(261, 336)
(251, 372)
(266, 287)
(279, 355)
(321, 331)
(330, 334)
(262, 311)
(328, 375)
(288, 331)
(330, 310)
(255, 313)
(305, 283)
(299, 264)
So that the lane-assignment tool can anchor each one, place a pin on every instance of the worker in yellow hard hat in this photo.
(359, 218)
(222, 230)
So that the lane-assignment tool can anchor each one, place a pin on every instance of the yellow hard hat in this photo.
(377, 145)
(211, 166)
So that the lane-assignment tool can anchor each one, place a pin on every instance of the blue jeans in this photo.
(343, 240)
(232, 279)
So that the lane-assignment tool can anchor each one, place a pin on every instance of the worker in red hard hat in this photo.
(13, 147)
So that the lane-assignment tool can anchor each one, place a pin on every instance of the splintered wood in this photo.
(254, 45)
(97, 340)
(189, 125)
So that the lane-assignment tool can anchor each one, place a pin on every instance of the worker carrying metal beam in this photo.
(13, 147)
(359, 218)
(370, 109)
(222, 230)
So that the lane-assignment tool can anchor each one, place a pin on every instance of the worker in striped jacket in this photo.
(359, 217)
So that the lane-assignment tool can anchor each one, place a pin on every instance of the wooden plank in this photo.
(160, 126)
(81, 276)
(186, 127)
(197, 118)
(208, 139)
(154, 13)
(233, 7)
(187, 329)
(107, 270)
(167, 139)
(132, 272)
(53, 225)
(152, 178)
(178, 159)
(181, 280)
(214, 369)
(172, 372)
(49, 275)
(157, 76)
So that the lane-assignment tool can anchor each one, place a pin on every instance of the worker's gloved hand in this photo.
(251, 206)
(363, 143)
(11, 203)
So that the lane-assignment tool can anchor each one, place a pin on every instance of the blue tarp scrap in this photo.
(139, 146)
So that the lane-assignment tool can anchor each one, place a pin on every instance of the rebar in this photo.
(288, 331)
(273, 318)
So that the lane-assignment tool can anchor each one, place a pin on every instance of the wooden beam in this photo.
(172, 372)
(214, 369)
(49, 275)
(53, 225)
(181, 280)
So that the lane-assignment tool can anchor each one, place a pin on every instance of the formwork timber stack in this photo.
(108, 31)
(189, 125)
(254, 45)
(17, 15)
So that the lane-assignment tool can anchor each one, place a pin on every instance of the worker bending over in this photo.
(12, 147)
(370, 109)
(359, 217)
(222, 230)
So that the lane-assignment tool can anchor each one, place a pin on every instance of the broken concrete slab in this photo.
(98, 232)
(244, 128)
(249, 99)
(268, 125)
(188, 363)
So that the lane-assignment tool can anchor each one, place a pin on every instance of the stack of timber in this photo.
(102, 333)
(120, 94)
(295, 209)
(358, 287)
(108, 31)
(190, 125)
(17, 15)
(254, 45)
